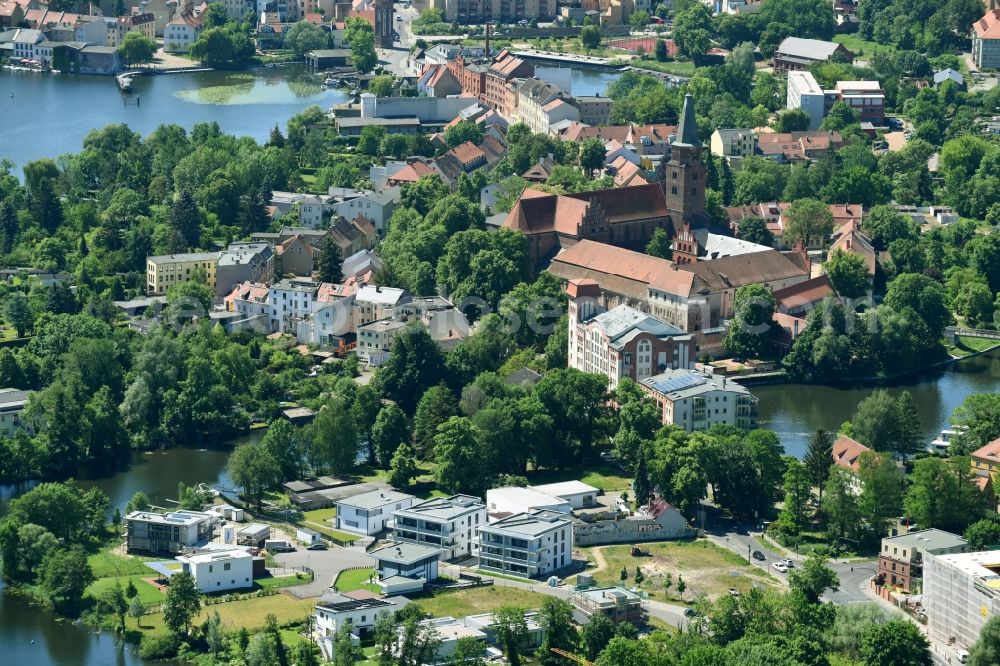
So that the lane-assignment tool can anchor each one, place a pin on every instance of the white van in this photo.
(962, 656)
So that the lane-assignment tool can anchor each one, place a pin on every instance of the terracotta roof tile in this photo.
(847, 451)
(990, 452)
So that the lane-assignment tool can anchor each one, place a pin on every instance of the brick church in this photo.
(625, 217)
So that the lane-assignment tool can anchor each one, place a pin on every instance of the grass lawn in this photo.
(860, 46)
(356, 579)
(320, 516)
(479, 600)
(282, 581)
(249, 613)
(604, 477)
(148, 594)
(675, 67)
(967, 345)
(107, 564)
(318, 519)
(706, 569)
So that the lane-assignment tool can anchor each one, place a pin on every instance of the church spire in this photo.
(687, 131)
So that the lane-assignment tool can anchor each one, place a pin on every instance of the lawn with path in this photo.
(356, 579)
(706, 569)
(319, 521)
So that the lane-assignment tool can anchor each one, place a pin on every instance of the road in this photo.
(394, 59)
(326, 564)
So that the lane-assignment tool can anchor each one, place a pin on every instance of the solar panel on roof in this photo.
(679, 383)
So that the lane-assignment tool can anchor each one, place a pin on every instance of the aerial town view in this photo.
(527, 333)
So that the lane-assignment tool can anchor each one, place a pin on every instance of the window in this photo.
(227, 566)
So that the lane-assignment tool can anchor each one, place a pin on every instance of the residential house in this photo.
(698, 400)
(296, 256)
(850, 238)
(414, 170)
(367, 514)
(405, 567)
(360, 265)
(948, 74)
(539, 104)
(540, 171)
(615, 603)
(798, 146)
(651, 140)
(12, 404)
(901, 558)
(626, 173)
(986, 40)
(656, 520)
(865, 98)
(447, 633)
(27, 43)
(447, 523)
(354, 235)
(374, 303)
(799, 299)
(479, 11)
(594, 109)
(181, 32)
(291, 300)
(219, 570)
(847, 453)
(374, 340)
(526, 545)
(621, 342)
(166, 270)
(773, 214)
(438, 81)
(271, 30)
(986, 460)
(11, 14)
(167, 533)
(498, 84)
(796, 53)
(335, 610)
(733, 143)
(243, 262)
(143, 23)
(377, 207)
(805, 94)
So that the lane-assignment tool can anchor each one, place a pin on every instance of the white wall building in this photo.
(804, 93)
(961, 593)
(219, 571)
(376, 206)
(369, 512)
(167, 532)
(503, 502)
(448, 523)
(577, 493)
(527, 544)
(333, 610)
(697, 401)
(405, 567)
(12, 404)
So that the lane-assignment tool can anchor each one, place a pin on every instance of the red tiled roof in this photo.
(990, 452)
(988, 27)
(411, 173)
(537, 212)
(467, 152)
(658, 273)
(847, 452)
(809, 291)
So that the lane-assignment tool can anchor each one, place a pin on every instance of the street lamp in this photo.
(749, 555)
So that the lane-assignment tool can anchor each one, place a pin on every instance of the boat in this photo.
(941, 443)
(330, 81)
(124, 82)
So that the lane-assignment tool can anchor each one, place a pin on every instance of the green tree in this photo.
(659, 244)
(254, 469)
(924, 295)
(370, 140)
(983, 535)
(986, 650)
(754, 229)
(592, 152)
(114, 599)
(303, 37)
(840, 504)
(65, 575)
(360, 35)
(596, 633)
(881, 498)
(753, 307)
(136, 609)
(282, 441)
(660, 50)
(590, 36)
(884, 224)
(511, 632)
(876, 422)
(793, 120)
(136, 49)
(436, 406)
(330, 260)
(941, 494)
(334, 438)
(813, 578)
(381, 85)
(17, 313)
(895, 643)
(848, 273)
(556, 618)
(980, 413)
(693, 30)
(808, 219)
(794, 515)
(389, 432)
(818, 458)
(910, 438)
(403, 466)
(414, 365)
(181, 604)
(460, 467)
(462, 131)
(185, 218)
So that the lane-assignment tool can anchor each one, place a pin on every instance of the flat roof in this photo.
(218, 556)
(565, 488)
(532, 524)
(445, 508)
(527, 497)
(930, 539)
(182, 517)
(254, 528)
(404, 553)
(375, 499)
(389, 122)
(184, 256)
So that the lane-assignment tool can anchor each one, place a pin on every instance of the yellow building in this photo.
(164, 271)
(986, 460)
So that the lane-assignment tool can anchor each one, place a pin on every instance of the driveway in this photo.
(327, 565)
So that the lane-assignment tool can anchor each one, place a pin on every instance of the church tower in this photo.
(683, 175)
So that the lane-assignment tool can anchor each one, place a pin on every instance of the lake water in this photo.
(47, 115)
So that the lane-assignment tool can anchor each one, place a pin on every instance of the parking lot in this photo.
(326, 564)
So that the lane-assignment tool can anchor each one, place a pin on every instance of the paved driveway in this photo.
(326, 564)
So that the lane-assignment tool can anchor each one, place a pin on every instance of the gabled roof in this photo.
(811, 49)
(755, 268)
(537, 212)
(808, 291)
(990, 452)
(847, 452)
(607, 261)
(988, 27)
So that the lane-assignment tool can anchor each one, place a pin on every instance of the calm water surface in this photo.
(47, 115)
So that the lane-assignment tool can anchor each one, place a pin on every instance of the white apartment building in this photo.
(961, 593)
(805, 94)
(314, 210)
(167, 532)
(372, 303)
(375, 206)
(448, 523)
(375, 340)
(527, 544)
(697, 401)
(218, 571)
(368, 513)
(734, 142)
(540, 104)
(12, 404)
(291, 300)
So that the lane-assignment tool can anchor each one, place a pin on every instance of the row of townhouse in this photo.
(735, 144)
(316, 211)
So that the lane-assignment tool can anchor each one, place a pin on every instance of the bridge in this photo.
(974, 332)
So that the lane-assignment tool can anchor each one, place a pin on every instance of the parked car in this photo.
(788, 563)
(317, 546)
(690, 612)
(757, 555)
(734, 592)
(780, 567)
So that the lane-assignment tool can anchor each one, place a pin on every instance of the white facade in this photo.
(220, 571)
(314, 210)
(697, 401)
(375, 206)
(961, 594)
(12, 404)
(514, 499)
(372, 303)
(449, 523)
(577, 493)
(368, 513)
(527, 544)
(334, 610)
(414, 562)
(290, 300)
(804, 93)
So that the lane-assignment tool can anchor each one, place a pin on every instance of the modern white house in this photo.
(218, 571)
(12, 404)
(527, 544)
(805, 94)
(376, 206)
(577, 493)
(334, 609)
(368, 513)
(503, 502)
(449, 631)
(405, 567)
(448, 523)
(167, 532)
